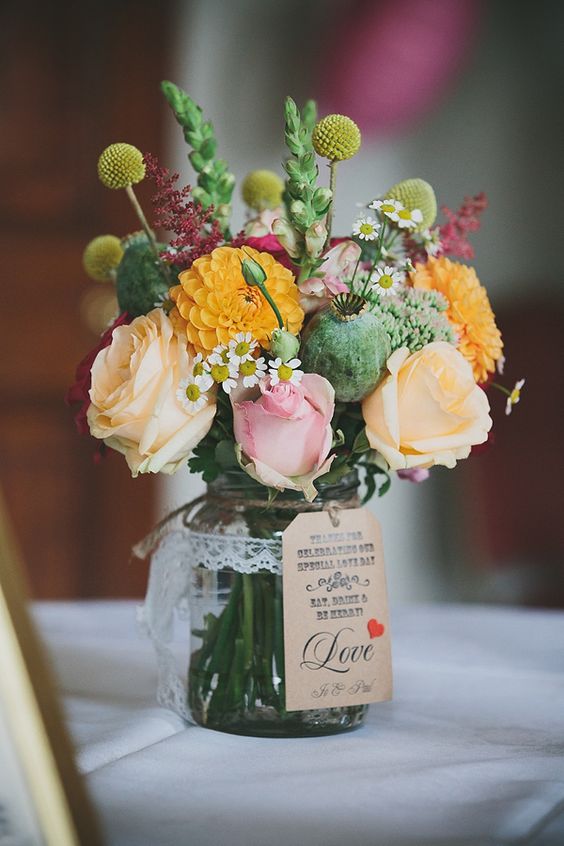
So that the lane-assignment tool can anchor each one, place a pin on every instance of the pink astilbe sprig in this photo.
(453, 233)
(196, 231)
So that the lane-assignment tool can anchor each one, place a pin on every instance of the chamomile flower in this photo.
(222, 370)
(500, 365)
(199, 366)
(191, 393)
(514, 396)
(388, 206)
(241, 347)
(285, 371)
(366, 228)
(386, 280)
(406, 218)
(431, 241)
(252, 370)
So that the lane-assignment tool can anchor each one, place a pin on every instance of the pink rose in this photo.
(284, 435)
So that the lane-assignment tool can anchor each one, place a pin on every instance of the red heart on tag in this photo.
(375, 629)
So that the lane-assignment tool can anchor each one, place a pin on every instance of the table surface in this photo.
(470, 751)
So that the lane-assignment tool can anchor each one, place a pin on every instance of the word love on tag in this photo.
(336, 629)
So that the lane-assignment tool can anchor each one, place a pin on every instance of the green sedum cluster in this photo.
(413, 318)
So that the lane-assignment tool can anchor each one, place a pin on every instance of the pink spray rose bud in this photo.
(284, 435)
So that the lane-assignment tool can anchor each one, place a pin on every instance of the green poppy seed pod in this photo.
(347, 344)
(416, 194)
(253, 274)
(284, 345)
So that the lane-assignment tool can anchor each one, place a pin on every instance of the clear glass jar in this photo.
(236, 673)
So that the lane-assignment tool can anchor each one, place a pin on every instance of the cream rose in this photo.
(428, 410)
(134, 408)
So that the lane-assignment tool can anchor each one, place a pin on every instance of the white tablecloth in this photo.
(470, 751)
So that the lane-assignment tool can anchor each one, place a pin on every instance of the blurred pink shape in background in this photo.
(395, 59)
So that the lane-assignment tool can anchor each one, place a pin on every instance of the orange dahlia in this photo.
(213, 302)
(469, 311)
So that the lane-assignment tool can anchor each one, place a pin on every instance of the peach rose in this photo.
(429, 409)
(284, 436)
(134, 408)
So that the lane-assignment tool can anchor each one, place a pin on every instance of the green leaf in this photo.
(225, 455)
(361, 444)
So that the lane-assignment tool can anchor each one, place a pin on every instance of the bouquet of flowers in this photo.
(283, 351)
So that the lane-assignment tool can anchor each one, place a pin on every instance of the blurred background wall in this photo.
(467, 95)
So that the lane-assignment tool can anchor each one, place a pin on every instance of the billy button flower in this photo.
(336, 138)
(285, 371)
(262, 189)
(122, 166)
(102, 257)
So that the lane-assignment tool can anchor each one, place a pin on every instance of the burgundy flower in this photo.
(78, 391)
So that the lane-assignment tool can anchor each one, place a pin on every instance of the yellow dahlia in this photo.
(213, 302)
(469, 311)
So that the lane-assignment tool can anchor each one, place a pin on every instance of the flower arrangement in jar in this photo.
(283, 364)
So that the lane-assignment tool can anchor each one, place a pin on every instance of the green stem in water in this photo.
(247, 621)
(332, 186)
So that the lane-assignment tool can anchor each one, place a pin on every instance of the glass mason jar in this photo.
(236, 672)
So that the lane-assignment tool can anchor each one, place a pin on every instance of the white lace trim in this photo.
(168, 594)
(242, 554)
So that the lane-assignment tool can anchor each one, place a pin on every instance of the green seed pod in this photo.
(141, 279)
(348, 345)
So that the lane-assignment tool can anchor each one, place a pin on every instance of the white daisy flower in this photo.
(285, 371)
(431, 241)
(191, 393)
(366, 228)
(500, 365)
(387, 206)
(514, 396)
(221, 369)
(406, 218)
(252, 370)
(241, 347)
(199, 367)
(386, 280)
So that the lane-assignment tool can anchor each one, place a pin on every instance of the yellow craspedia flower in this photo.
(469, 311)
(102, 256)
(336, 137)
(121, 165)
(416, 194)
(262, 189)
(213, 303)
